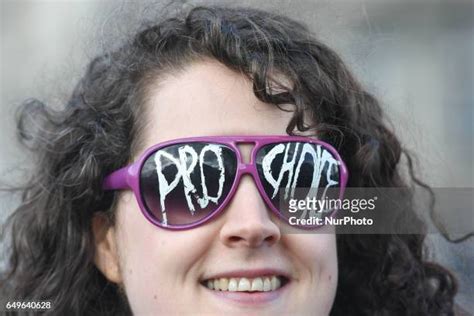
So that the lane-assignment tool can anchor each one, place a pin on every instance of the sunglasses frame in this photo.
(128, 177)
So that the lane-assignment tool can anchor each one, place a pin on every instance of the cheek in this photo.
(155, 263)
(318, 272)
(317, 253)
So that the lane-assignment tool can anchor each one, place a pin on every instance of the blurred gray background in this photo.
(416, 56)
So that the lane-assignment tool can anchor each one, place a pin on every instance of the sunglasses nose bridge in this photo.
(247, 168)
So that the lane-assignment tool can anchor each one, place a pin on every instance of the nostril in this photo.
(252, 234)
(234, 238)
(270, 239)
(251, 240)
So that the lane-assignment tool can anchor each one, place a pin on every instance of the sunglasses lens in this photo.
(184, 183)
(294, 171)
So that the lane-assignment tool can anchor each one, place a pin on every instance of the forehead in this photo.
(207, 99)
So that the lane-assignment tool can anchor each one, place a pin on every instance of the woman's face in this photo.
(163, 271)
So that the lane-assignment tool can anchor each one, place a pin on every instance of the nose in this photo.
(247, 220)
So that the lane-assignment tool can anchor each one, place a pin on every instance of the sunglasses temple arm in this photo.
(119, 179)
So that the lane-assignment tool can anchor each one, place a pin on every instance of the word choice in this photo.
(321, 159)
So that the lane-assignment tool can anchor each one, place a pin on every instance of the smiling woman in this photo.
(157, 180)
(241, 249)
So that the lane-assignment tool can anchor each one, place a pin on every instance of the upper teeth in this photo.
(264, 284)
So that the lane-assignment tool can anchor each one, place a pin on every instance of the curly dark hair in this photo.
(52, 249)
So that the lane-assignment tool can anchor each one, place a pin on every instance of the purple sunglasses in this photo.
(184, 183)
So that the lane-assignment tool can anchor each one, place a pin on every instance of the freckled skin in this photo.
(203, 100)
